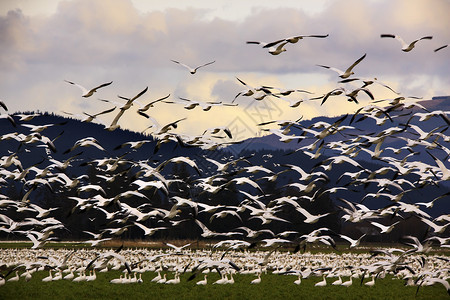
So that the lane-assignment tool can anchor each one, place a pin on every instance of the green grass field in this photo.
(271, 287)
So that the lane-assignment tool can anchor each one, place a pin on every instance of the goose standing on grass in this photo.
(15, 278)
(222, 280)
(298, 280)
(371, 282)
(48, 278)
(81, 277)
(323, 282)
(348, 283)
(257, 280)
(87, 93)
(175, 280)
(193, 70)
(157, 277)
(278, 50)
(163, 279)
(69, 276)
(405, 47)
(204, 281)
(337, 282)
(58, 276)
(117, 280)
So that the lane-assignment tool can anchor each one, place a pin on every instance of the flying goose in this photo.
(348, 72)
(193, 70)
(87, 93)
(406, 47)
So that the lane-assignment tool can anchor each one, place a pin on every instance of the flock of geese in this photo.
(398, 176)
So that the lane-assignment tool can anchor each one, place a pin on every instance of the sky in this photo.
(132, 43)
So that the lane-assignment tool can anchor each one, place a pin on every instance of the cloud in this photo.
(92, 42)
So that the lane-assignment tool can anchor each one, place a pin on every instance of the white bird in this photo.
(298, 281)
(323, 282)
(193, 70)
(123, 108)
(222, 280)
(117, 280)
(163, 279)
(371, 282)
(204, 281)
(348, 283)
(348, 72)
(353, 243)
(384, 229)
(310, 219)
(405, 47)
(278, 50)
(256, 280)
(445, 172)
(157, 277)
(15, 278)
(175, 280)
(86, 92)
(337, 282)
(48, 278)
(176, 248)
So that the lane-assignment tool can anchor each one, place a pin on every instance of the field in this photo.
(272, 286)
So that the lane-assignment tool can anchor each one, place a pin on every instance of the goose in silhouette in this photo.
(87, 93)
(193, 70)
(405, 47)
(440, 48)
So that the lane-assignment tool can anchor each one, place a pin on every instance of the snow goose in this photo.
(348, 72)
(256, 280)
(322, 283)
(193, 70)
(86, 92)
(204, 281)
(405, 47)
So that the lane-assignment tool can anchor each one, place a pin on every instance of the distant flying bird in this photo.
(440, 48)
(295, 39)
(273, 48)
(347, 73)
(292, 40)
(193, 70)
(2, 104)
(86, 92)
(405, 47)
